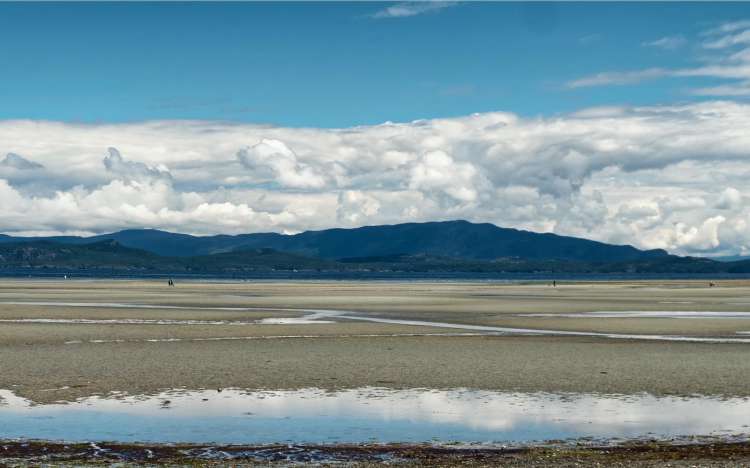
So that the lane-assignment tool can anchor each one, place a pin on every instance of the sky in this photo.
(620, 122)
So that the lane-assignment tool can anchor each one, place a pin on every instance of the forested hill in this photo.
(110, 257)
(454, 239)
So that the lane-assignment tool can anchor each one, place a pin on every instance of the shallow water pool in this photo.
(314, 416)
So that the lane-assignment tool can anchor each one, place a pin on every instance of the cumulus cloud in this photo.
(272, 159)
(730, 198)
(703, 237)
(356, 207)
(15, 161)
(657, 177)
(133, 170)
(437, 172)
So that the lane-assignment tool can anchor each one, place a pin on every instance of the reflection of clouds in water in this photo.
(419, 414)
(594, 414)
(12, 401)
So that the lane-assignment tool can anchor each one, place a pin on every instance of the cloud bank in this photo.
(670, 177)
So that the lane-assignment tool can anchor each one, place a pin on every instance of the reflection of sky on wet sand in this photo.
(312, 317)
(84, 321)
(315, 416)
(120, 305)
(644, 314)
(318, 316)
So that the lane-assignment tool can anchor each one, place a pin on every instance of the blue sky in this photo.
(336, 64)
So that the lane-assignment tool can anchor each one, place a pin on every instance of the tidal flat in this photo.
(78, 344)
(62, 340)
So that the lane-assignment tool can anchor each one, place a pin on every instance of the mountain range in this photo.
(459, 239)
(450, 246)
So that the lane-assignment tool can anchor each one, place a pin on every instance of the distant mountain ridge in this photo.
(109, 257)
(452, 239)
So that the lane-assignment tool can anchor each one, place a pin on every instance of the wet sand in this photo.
(53, 361)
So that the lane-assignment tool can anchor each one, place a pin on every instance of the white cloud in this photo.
(703, 237)
(667, 42)
(729, 40)
(356, 207)
(618, 78)
(437, 172)
(738, 89)
(407, 9)
(133, 170)
(728, 49)
(272, 159)
(656, 177)
(730, 198)
(727, 27)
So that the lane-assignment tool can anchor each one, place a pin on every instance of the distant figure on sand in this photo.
(554, 283)
(170, 282)
(711, 284)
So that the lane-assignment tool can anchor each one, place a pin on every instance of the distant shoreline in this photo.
(368, 276)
